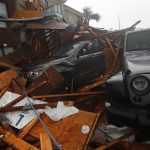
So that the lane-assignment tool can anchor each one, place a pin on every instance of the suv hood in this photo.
(138, 61)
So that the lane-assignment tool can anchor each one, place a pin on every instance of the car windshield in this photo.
(65, 50)
(138, 41)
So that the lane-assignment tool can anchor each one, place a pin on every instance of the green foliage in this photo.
(89, 15)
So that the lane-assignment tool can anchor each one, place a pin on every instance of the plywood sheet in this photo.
(68, 130)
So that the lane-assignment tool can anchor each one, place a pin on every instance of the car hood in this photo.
(138, 61)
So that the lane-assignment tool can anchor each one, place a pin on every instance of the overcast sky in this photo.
(129, 11)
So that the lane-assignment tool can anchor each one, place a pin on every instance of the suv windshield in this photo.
(64, 50)
(138, 41)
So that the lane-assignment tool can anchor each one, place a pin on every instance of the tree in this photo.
(89, 15)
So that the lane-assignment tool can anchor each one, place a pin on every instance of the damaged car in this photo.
(129, 90)
(79, 62)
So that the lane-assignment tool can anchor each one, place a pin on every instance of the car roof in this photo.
(138, 30)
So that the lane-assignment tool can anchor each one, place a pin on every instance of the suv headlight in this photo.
(140, 85)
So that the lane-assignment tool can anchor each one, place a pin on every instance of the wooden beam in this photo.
(67, 95)
(15, 142)
(113, 51)
(135, 24)
(20, 108)
(97, 82)
(91, 131)
(25, 131)
(92, 32)
(45, 141)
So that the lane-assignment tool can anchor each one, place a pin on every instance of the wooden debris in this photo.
(68, 95)
(98, 82)
(42, 40)
(14, 141)
(45, 140)
(68, 130)
(20, 108)
(52, 77)
(25, 131)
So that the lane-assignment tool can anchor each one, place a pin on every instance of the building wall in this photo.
(10, 5)
(48, 3)
(71, 15)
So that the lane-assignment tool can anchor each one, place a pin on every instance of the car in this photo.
(81, 61)
(129, 90)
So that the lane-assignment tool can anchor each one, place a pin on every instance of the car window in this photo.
(89, 48)
(65, 50)
(138, 41)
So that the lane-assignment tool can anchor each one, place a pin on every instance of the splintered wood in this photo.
(45, 140)
(68, 130)
(15, 142)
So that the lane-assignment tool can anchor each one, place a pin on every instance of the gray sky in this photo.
(129, 11)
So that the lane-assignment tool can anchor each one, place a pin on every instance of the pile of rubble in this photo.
(55, 109)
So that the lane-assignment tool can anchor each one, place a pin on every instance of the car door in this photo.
(89, 64)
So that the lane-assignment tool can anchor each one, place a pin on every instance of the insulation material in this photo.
(14, 117)
(19, 119)
(61, 111)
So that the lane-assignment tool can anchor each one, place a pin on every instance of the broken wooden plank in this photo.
(25, 131)
(53, 81)
(109, 59)
(97, 82)
(112, 49)
(91, 131)
(15, 142)
(92, 32)
(68, 130)
(116, 62)
(20, 108)
(45, 141)
(67, 95)
(16, 87)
